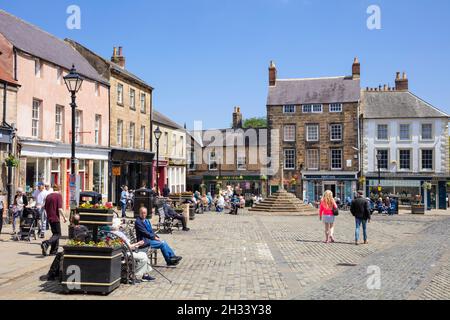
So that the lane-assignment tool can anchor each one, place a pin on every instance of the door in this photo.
(434, 197)
(330, 187)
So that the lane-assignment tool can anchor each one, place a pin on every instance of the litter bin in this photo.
(143, 198)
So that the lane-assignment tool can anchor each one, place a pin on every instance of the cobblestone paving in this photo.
(264, 257)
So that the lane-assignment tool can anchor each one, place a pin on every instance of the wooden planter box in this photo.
(415, 209)
(100, 269)
(98, 217)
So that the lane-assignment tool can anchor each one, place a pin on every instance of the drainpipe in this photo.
(360, 156)
(9, 185)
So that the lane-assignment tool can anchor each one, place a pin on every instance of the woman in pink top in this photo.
(326, 214)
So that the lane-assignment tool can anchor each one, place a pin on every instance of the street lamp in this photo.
(157, 134)
(73, 82)
(379, 172)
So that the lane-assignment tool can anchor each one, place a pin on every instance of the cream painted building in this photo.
(172, 154)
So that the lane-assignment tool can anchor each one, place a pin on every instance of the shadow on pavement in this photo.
(316, 241)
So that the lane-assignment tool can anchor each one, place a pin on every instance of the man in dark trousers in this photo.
(144, 232)
(54, 208)
(360, 210)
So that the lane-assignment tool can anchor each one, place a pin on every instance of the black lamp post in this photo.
(379, 172)
(157, 134)
(73, 82)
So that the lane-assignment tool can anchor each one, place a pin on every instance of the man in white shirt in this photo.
(39, 196)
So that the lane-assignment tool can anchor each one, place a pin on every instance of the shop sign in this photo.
(396, 183)
(116, 171)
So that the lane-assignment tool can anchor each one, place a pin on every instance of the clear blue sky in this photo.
(205, 56)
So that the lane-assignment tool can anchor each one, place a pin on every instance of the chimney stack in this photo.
(237, 118)
(272, 74)
(118, 57)
(401, 84)
(356, 69)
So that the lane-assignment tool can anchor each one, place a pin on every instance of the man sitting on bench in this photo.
(161, 204)
(144, 232)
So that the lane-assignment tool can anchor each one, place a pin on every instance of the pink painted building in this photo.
(40, 62)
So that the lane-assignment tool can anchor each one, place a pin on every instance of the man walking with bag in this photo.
(360, 210)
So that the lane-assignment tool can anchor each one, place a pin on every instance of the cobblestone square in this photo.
(270, 257)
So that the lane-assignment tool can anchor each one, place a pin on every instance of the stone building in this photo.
(130, 101)
(39, 63)
(172, 154)
(235, 157)
(410, 136)
(316, 121)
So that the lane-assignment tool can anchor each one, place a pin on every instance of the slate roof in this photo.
(397, 104)
(309, 91)
(159, 118)
(38, 43)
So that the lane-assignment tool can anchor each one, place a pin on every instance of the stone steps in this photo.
(283, 202)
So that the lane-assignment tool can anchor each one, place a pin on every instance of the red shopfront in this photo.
(162, 181)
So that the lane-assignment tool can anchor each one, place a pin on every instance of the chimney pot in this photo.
(398, 75)
(272, 74)
(356, 69)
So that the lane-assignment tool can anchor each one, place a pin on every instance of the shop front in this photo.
(246, 186)
(160, 172)
(50, 163)
(410, 190)
(342, 185)
(129, 168)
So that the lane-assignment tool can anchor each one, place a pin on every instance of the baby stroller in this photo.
(29, 222)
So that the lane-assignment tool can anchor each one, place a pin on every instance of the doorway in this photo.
(330, 186)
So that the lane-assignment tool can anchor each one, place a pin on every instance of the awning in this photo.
(38, 149)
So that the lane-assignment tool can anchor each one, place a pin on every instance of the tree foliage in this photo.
(256, 122)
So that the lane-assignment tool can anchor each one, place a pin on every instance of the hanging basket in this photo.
(12, 161)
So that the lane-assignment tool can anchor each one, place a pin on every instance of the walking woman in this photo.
(327, 205)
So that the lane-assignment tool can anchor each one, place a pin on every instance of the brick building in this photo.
(235, 157)
(317, 125)
(130, 100)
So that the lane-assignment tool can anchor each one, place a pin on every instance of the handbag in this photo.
(335, 211)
